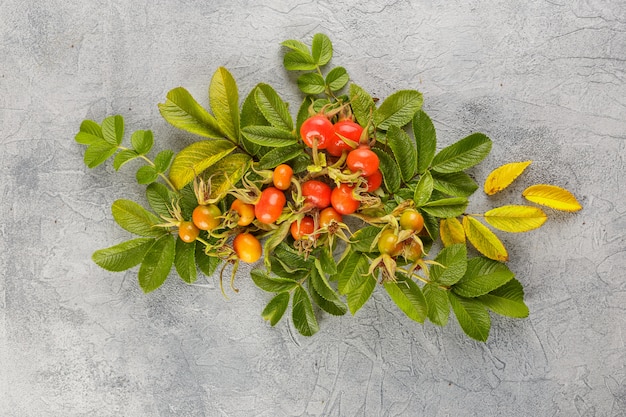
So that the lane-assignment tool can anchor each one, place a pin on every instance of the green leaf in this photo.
(311, 83)
(136, 219)
(320, 283)
(225, 173)
(457, 184)
(98, 152)
(157, 263)
(160, 198)
(363, 239)
(270, 136)
(275, 309)
(224, 100)
(337, 78)
(273, 108)
(424, 189)
(335, 307)
(146, 174)
(279, 156)
(438, 306)
(481, 277)
(296, 45)
(453, 260)
(463, 154)
(403, 148)
(390, 170)
(425, 139)
(182, 111)
(292, 257)
(321, 49)
(359, 295)
(272, 284)
(409, 298)
(352, 272)
(327, 262)
(123, 256)
(251, 116)
(113, 130)
(431, 224)
(446, 207)
(507, 300)
(297, 60)
(197, 157)
(398, 109)
(142, 141)
(185, 261)
(206, 264)
(472, 316)
(163, 160)
(302, 313)
(122, 157)
(362, 104)
(90, 132)
(303, 112)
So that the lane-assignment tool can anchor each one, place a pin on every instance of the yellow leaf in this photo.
(516, 218)
(225, 173)
(197, 157)
(451, 231)
(503, 176)
(552, 196)
(484, 240)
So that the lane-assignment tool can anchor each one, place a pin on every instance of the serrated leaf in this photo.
(303, 111)
(362, 240)
(292, 257)
(185, 261)
(503, 176)
(225, 173)
(516, 218)
(352, 272)
(438, 305)
(159, 198)
(311, 83)
(403, 148)
(451, 264)
(197, 157)
(122, 157)
(142, 141)
(337, 78)
(206, 264)
(484, 240)
(463, 154)
(320, 283)
(98, 152)
(146, 174)
(136, 219)
(321, 49)
(482, 276)
(425, 139)
(224, 101)
(297, 60)
(270, 136)
(472, 317)
(362, 104)
(302, 313)
(272, 284)
(296, 45)
(163, 160)
(327, 261)
(431, 224)
(157, 263)
(123, 256)
(90, 132)
(398, 109)
(113, 130)
(390, 170)
(409, 298)
(275, 309)
(457, 184)
(182, 111)
(335, 307)
(552, 196)
(451, 231)
(507, 300)
(424, 189)
(273, 108)
(359, 295)
(446, 207)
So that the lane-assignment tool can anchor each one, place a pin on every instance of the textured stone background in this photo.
(546, 81)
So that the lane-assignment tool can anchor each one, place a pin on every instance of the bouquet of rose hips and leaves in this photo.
(350, 196)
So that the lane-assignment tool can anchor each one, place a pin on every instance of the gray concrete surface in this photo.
(546, 80)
